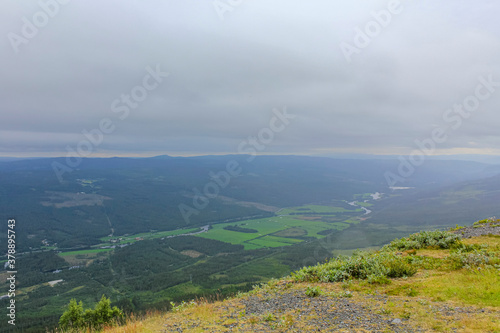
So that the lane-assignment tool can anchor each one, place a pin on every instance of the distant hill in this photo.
(165, 193)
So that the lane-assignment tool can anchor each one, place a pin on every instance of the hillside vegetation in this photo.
(432, 281)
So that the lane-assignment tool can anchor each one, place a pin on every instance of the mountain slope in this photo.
(455, 288)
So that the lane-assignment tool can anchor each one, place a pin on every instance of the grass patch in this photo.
(82, 252)
(364, 204)
(291, 232)
(314, 209)
(270, 241)
(480, 288)
(146, 235)
(74, 289)
(313, 291)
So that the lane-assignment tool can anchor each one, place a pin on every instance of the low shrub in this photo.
(313, 291)
(472, 259)
(461, 247)
(399, 268)
(378, 279)
(76, 319)
(485, 221)
(457, 227)
(181, 306)
(269, 317)
(424, 262)
(360, 266)
(342, 294)
(423, 239)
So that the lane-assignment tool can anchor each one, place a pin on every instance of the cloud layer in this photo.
(230, 63)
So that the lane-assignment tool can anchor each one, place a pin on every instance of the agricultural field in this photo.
(83, 252)
(110, 240)
(364, 204)
(282, 230)
(315, 209)
(364, 196)
(292, 225)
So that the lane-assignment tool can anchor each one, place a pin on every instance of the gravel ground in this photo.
(325, 314)
(484, 229)
(321, 314)
(304, 314)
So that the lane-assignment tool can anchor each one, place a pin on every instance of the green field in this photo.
(364, 196)
(130, 239)
(315, 209)
(145, 235)
(272, 241)
(277, 231)
(272, 232)
(364, 204)
(353, 221)
(83, 252)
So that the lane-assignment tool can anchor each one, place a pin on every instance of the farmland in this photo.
(315, 209)
(83, 252)
(145, 235)
(291, 226)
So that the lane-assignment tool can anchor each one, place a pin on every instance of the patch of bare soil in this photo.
(192, 253)
(71, 199)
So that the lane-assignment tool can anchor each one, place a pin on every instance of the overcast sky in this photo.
(230, 63)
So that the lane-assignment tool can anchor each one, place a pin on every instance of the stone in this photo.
(396, 321)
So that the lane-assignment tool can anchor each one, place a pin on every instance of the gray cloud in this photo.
(226, 76)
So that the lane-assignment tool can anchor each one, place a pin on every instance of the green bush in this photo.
(461, 247)
(75, 318)
(424, 262)
(399, 268)
(378, 279)
(269, 317)
(485, 221)
(183, 305)
(313, 291)
(472, 259)
(457, 227)
(423, 239)
(360, 266)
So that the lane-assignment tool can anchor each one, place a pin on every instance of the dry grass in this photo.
(492, 241)
(192, 253)
(438, 254)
